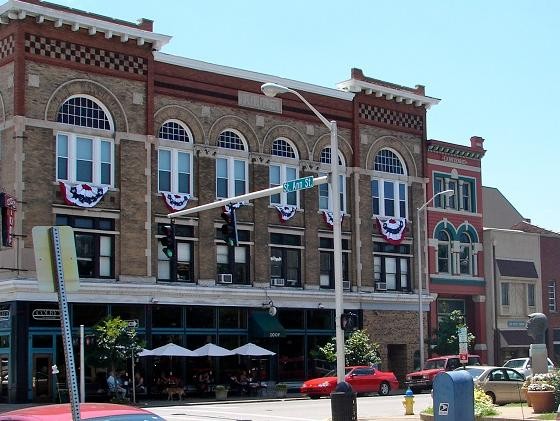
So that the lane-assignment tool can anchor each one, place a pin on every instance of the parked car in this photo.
(423, 379)
(363, 379)
(502, 384)
(88, 411)
(523, 365)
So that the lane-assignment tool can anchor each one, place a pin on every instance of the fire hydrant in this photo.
(408, 402)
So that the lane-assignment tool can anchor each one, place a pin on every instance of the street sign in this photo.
(298, 184)
(132, 323)
(462, 333)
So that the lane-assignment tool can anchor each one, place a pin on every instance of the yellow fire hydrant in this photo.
(408, 402)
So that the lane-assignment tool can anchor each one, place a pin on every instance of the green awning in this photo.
(263, 325)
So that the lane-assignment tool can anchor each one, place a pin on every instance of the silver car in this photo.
(502, 384)
(523, 365)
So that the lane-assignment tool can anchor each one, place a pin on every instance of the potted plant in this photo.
(281, 390)
(541, 394)
(525, 388)
(221, 392)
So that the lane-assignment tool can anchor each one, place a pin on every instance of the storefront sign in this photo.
(46, 314)
(8, 210)
(4, 315)
(516, 323)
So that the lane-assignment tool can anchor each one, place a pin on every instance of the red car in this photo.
(88, 411)
(363, 379)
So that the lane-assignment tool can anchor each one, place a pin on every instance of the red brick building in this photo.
(454, 231)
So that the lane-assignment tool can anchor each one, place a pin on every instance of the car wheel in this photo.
(492, 396)
(314, 396)
(384, 389)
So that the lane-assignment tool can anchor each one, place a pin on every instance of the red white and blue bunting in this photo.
(329, 220)
(83, 195)
(235, 205)
(176, 202)
(285, 212)
(392, 229)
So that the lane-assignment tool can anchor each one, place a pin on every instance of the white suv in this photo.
(523, 365)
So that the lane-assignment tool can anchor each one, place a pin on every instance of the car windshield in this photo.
(431, 364)
(474, 371)
(332, 373)
(514, 363)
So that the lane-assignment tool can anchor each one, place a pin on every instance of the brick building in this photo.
(454, 248)
(101, 131)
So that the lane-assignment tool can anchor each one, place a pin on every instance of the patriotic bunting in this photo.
(392, 229)
(328, 218)
(285, 212)
(82, 195)
(176, 202)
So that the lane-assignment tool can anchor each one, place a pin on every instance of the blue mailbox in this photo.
(453, 396)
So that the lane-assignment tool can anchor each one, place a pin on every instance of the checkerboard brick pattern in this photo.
(64, 50)
(391, 117)
(7, 46)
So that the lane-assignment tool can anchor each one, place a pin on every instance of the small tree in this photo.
(446, 337)
(358, 349)
(115, 342)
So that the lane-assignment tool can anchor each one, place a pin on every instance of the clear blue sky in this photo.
(494, 65)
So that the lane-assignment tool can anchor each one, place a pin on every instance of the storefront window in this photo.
(232, 318)
(130, 312)
(201, 317)
(88, 314)
(319, 319)
(167, 316)
(291, 358)
(291, 319)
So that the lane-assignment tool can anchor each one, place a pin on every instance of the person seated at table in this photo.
(204, 380)
(235, 386)
(173, 380)
(113, 384)
(139, 383)
(245, 382)
(163, 380)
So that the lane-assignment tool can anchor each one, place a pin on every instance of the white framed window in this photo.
(551, 296)
(504, 288)
(444, 252)
(82, 158)
(531, 295)
(465, 254)
(231, 170)
(175, 164)
(325, 199)
(389, 195)
(285, 169)
(463, 197)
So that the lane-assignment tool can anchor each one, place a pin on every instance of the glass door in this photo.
(3, 378)
(41, 378)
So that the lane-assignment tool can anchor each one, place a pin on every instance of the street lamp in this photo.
(273, 89)
(447, 193)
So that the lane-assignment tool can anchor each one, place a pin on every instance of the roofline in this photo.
(249, 75)
(15, 10)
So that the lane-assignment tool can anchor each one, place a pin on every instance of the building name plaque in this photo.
(259, 102)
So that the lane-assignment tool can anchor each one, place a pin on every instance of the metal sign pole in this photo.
(65, 323)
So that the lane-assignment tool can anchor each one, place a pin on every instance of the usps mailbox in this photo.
(453, 396)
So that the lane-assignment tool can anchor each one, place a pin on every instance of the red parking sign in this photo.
(463, 357)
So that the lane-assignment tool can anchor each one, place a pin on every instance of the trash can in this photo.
(343, 403)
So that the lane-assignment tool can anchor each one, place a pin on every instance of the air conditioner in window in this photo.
(277, 282)
(346, 285)
(381, 286)
(225, 278)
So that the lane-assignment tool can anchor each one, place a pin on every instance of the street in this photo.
(284, 410)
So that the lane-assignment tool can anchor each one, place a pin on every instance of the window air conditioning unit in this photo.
(225, 278)
(381, 286)
(346, 285)
(277, 282)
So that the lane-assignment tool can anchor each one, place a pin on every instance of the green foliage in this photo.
(447, 340)
(553, 379)
(483, 406)
(115, 342)
(358, 348)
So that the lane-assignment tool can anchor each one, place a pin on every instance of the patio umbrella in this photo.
(144, 353)
(168, 350)
(211, 350)
(252, 350)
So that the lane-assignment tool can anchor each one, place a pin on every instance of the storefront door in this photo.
(3, 378)
(41, 378)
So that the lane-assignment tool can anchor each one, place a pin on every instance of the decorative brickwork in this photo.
(7, 46)
(391, 117)
(64, 50)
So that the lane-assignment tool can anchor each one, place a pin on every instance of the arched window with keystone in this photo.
(175, 158)
(231, 165)
(283, 167)
(325, 198)
(389, 192)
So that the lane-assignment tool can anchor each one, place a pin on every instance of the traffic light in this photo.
(229, 229)
(348, 321)
(168, 241)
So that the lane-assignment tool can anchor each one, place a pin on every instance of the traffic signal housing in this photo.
(229, 229)
(348, 321)
(168, 241)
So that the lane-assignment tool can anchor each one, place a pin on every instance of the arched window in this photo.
(444, 252)
(231, 167)
(283, 167)
(465, 254)
(325, 202)
(83, 158)
(175, 159)
(389, 194)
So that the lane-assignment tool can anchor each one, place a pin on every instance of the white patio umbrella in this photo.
(212, 350)
(168, 350)
(252, 350)
(144, 353)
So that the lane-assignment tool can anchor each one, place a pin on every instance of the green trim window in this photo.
(464, 198)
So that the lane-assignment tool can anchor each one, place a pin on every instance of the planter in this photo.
(281, 393)
(541, 400)
(221, 394)
(525, 396)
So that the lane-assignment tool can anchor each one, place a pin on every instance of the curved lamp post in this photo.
(447, 193)
(271, 90)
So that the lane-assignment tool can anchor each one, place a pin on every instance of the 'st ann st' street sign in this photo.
(298, 184)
